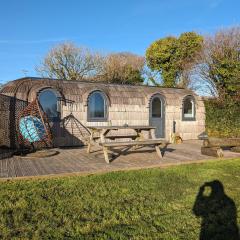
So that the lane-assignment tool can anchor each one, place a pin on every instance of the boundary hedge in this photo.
(223, 118)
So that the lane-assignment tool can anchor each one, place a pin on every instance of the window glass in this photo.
(97, 106)
(48, 101)
(156, 108)
(188, 108)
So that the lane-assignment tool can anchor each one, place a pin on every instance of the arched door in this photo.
(157, 115)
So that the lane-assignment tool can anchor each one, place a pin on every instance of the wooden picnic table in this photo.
(137, 139)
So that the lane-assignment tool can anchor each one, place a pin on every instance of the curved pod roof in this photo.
(78, 91)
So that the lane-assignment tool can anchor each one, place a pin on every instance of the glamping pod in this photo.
(72, 106)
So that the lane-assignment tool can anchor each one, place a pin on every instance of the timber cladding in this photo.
(127, 104)
(9, 109)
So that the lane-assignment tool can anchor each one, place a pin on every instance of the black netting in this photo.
(10, 107)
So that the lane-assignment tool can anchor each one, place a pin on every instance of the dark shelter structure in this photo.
(10, 107)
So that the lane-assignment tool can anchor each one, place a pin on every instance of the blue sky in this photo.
(28, 28)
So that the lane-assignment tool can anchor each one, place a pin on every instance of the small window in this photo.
(48, 100)
(97, 107)
(156, 108)
(189, 108)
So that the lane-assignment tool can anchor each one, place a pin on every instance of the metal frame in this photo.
(34, 109)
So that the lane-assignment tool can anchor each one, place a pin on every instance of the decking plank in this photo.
(77, 160)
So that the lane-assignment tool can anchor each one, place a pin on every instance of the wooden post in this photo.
(103, 134)
(138, 134)
(105, 152)
(90, 141)
(141, 135)
(152, 133)
(158, 152)
(153, 136)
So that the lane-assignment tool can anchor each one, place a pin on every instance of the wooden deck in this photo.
(78, 161)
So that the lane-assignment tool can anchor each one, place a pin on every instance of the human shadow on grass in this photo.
(218, 212)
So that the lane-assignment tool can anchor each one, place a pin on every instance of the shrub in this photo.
(223, 118)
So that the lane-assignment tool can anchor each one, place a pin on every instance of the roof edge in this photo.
(93, 82)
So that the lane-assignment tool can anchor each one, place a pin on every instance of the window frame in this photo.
(106, 106)
(161, 102)
(56, 93)
(192, 118)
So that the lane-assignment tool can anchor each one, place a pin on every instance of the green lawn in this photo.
(142, 204)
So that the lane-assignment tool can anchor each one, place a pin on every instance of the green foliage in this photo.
(143, 204)
(221, 62)
(226, 72)
(131, 76)
(173, 56)
(134, 76)
(160, 57)
(223, 118)
(188, 45)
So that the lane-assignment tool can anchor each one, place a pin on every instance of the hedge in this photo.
(223, 118)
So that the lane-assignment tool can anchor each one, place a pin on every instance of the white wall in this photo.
(139, 115)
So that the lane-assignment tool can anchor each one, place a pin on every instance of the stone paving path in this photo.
(78, 161)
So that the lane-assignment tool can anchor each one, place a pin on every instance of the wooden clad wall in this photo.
(9, 109)
(127, 104)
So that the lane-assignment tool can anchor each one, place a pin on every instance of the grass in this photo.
(142, 204)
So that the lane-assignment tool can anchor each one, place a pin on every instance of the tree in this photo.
(174, 58)
(123, 68)
(219, 65)
(69, 62)
(160, 57)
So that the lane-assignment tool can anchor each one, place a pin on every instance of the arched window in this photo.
(49, 102)
(97, 107)
(189, 109)
(156, 108)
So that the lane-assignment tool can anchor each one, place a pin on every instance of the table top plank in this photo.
(132, 143)
(120, 127)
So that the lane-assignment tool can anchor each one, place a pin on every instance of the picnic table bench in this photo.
(137, 139)
(213, 146)
(113, 137)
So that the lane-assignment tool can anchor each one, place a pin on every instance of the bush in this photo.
(223, 118)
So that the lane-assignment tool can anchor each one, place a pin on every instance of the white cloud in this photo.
(214, 3)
